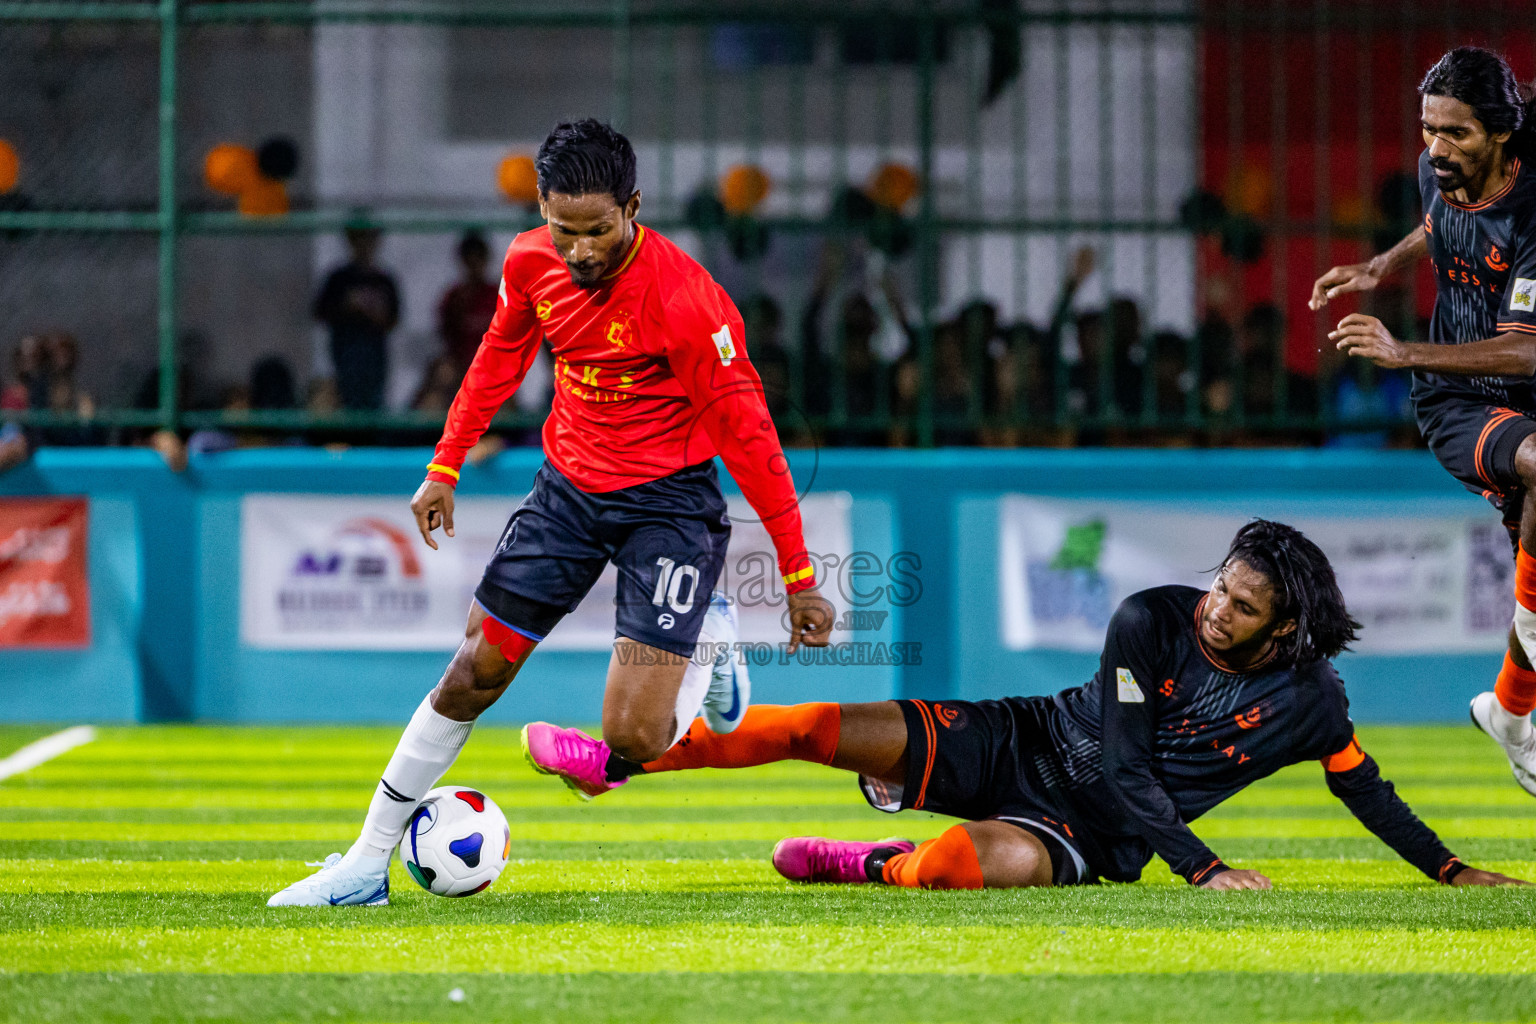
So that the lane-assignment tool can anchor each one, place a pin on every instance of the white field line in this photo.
(45, 749)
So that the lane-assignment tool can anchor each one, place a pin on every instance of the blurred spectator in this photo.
(466, 309)
(438, 385)
(1269, 388)
(30, 388)
(15, 448)
(45, 367)
(271, 390)
(1365, 404)
(360, 304)
(1103, 358)
(765, 345)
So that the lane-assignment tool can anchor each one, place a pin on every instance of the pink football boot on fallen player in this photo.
(580, 761)
(814, 859)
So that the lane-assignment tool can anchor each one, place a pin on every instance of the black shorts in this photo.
(1476, 443)
(667, 537)
(973, 761)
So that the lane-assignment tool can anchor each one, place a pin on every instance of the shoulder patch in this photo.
(1522, 295)
(724, 345)
(1128, 688)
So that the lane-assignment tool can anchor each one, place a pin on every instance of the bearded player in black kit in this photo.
(1474, 382)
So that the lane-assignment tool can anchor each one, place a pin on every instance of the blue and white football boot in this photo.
(730, 688)
(341, 882)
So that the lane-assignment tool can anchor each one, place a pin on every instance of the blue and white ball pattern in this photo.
(457, 842)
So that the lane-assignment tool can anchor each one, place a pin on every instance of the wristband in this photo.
(442, 474)
(1208, 872)
(1451, 869)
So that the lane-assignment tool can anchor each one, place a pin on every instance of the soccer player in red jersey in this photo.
(1474, 381)
(652, 382)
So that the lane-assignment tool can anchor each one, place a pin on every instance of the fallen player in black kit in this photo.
(1198, 695)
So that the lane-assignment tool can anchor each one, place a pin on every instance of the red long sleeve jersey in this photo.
(651, 376)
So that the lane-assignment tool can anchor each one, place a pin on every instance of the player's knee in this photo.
(1008, 856)
(636, 740)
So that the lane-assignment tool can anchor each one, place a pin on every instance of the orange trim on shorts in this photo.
(1499, 416)
(931, 733)
(1347, 759)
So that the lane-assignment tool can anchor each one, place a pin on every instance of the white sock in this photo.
(1508, 727)
(426, 751)
(690, 695)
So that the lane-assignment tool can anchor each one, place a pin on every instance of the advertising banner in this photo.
(350, 572)
(45, 595)
(1419, 584)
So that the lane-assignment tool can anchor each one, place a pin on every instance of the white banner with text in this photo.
(1420, 585)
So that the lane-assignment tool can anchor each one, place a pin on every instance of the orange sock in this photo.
(1516, 688)
(767, 733)
(948, 862)
(1525, 579)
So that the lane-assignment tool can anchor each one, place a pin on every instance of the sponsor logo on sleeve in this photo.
(1523, 295)
(724, 345)
(1129, 689)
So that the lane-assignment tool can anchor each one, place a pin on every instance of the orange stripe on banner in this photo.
(928, 730)
(1347, 759)
(1482, 439)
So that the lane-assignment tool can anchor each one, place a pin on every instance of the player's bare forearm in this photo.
(1512, 354)
(1362, 277)
(1413, 247)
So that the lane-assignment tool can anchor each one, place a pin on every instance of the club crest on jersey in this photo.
(544, 309)
(1494, 260)
(724, 345)
(1128, 689)
(1523, 295)
(619, 332)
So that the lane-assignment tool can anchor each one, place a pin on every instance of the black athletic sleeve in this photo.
(1517, 311)
(1354, 778)
(1128, 691)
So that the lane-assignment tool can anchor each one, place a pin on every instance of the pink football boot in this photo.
(580, 761)
(814, 859)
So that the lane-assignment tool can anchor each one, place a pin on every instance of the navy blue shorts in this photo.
(1476, 442)
(667, 537)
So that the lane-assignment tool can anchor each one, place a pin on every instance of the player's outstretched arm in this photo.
(1512, 354)
(1354, 778)
(1128, 715)
(706, 351)
(1362, 277)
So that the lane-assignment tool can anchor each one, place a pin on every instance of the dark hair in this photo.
(1305, 590)
(1483, 81)
(473, 242)
(586, 157)
(272, 384)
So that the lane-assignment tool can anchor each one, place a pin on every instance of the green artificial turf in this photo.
(134, 873)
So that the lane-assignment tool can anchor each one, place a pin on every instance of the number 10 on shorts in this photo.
(676, 586)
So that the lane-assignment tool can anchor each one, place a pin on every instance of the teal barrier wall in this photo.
(168, 545)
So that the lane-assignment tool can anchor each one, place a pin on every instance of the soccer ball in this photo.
(457, 842)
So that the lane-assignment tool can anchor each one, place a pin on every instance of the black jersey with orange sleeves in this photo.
(1163, 733)
(1484, 256)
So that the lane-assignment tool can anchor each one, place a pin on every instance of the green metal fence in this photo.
(1036, 131)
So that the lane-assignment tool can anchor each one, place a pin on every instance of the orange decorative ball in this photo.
(10, 166)
(1249, 190)
(743, 188)
(518, 180)
(230, 169)
(264, 198)
(893, 186)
